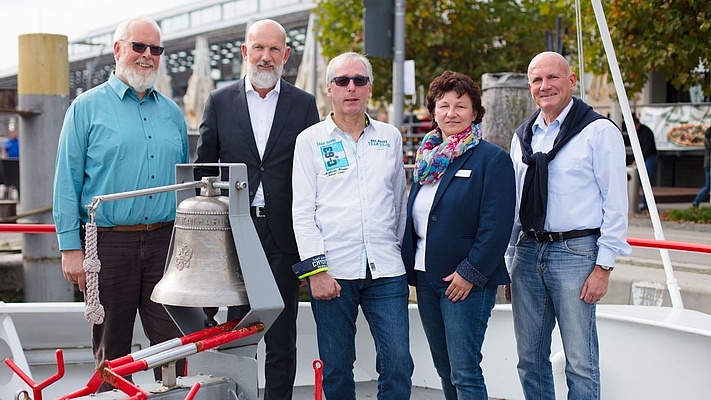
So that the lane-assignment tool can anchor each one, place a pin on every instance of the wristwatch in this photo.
(606, 267)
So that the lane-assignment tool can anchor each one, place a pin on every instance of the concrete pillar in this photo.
(43, 96)
(508, 103)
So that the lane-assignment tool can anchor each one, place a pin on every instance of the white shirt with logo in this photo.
(349, 199)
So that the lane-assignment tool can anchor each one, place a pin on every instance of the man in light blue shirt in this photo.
(119, 136)
(571, 222)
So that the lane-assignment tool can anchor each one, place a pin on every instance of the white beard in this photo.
(139, 80)
(264, 79)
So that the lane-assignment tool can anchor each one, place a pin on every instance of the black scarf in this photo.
(534, 199)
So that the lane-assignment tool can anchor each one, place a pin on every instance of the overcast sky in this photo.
(73, 18)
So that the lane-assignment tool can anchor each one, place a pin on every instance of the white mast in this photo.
(672, 285)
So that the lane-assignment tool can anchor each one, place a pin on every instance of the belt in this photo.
(134, 228)
(258, 211)
(558, 236)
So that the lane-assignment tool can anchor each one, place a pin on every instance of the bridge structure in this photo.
(222, 22)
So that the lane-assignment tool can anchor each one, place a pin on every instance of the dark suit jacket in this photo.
(470, 220)
(226, 136)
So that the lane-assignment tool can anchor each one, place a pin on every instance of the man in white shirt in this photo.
(349, 218)
(571, 222)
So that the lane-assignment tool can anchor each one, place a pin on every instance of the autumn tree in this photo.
(468, 36)
(672, 37)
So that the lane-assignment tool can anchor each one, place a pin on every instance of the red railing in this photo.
(670, 245)
(649, 243)
(27, 228)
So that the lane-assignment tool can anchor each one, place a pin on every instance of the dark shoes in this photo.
(695, 204)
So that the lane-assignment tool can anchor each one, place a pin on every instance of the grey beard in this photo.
(139, 82)
(264, 79)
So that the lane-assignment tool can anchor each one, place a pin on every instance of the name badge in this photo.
(463, 173)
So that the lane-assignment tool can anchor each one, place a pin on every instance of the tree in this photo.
(468, 36)
(671, 37)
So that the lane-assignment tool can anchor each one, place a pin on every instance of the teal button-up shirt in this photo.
(113, 142)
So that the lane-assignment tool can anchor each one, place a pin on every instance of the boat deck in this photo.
(369, 390)
(668, 349)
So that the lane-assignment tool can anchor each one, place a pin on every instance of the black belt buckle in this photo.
(560, 236)
(259, 212)
(545, 236)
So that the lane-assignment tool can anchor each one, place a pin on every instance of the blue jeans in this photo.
(384, 304)
(546, 282)
(704, 192)
(455, 333)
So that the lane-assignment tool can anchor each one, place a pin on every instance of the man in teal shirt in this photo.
(119, 136)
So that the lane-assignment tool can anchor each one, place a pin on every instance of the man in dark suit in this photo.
(255, 121)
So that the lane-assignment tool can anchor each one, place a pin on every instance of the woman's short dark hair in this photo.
(461, 84)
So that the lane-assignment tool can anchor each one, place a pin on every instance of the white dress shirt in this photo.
(349, 199)
(420, 218)
(261, 114)
(587, 184)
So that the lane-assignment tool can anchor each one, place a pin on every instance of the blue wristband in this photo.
(310, 266)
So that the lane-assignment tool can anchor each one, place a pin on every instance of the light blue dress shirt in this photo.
(113, 142)
(587, 184)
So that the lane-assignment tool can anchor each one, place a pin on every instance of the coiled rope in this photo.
(94, 312)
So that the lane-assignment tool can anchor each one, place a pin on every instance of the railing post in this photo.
(43, 90)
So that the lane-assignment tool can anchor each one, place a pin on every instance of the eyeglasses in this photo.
(346, 80)
(140, 48)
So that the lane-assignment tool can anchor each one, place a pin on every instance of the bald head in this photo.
(550, 58)
(551, 84)
(266, 28)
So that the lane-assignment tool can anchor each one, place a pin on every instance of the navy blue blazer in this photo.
(226, 136)
(470, 220)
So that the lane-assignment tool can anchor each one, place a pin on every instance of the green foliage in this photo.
(468, 36)
(700, 215)
(671, 37)
(11, 295)
(487, 36)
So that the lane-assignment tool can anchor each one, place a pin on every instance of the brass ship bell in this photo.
(203, 270)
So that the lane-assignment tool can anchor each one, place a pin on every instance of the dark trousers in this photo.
(280, 339)
(132, 263)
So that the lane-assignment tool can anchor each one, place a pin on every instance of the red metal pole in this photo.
(193, 391)
(38, 387)
(113, 371)
(318, 384)
(670, 245)
(28, 228)
(651, 243)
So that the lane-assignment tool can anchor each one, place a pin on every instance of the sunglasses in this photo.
(345, 80)
(140, 48)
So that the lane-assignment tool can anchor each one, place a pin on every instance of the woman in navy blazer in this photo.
(459, 217)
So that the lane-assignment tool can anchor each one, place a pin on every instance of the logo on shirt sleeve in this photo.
(334, 156)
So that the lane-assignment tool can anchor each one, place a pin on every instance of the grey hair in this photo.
(345, 57)
(123, 29)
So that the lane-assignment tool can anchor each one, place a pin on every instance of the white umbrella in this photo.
(164, 82)
(199, 84)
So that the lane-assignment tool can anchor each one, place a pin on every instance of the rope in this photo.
(94, 312)
(14, 218)
(581, 58)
